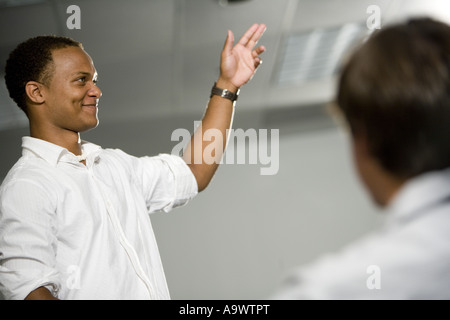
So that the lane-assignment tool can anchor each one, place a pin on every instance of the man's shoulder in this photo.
(33, 170)
(123, 158)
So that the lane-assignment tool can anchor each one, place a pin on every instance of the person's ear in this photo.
(361, 155)
(34, 92)
(360, 144)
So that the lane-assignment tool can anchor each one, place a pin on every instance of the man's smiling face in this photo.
(71, 97)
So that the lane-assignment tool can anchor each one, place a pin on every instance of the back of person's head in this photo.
(32, 61)
(395, 92)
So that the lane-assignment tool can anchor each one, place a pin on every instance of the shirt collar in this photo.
(421, 192)
(53, 153)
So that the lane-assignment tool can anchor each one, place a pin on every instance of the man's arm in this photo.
(40, 294)
(238, 65)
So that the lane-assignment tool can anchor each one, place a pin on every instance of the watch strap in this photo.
(224, 93)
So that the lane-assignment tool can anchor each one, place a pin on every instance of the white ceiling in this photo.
(157, 58)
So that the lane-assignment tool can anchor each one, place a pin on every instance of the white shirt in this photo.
(409, 258)
(84, 231)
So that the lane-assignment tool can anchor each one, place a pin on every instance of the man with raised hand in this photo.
(73, 216)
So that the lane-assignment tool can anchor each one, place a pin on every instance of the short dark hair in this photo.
(32, 61)
(395, 90)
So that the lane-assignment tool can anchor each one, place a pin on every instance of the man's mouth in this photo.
(90, 107)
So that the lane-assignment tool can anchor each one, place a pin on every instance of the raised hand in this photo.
(239, 62)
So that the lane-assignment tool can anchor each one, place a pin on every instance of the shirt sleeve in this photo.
(27, 240)
(167, 182)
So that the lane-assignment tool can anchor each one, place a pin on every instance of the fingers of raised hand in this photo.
(256, 53)
(252, 35)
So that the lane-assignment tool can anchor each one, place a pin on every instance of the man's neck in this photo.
(64, 138)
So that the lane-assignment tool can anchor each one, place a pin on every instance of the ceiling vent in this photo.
(316, 54)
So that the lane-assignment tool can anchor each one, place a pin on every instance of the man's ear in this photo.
(360, 144)
(34, 91)
(361, 154)
(381, 184)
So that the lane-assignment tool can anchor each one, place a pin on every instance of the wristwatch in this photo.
(224, 93)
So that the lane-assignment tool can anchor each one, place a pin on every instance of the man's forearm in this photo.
(218, 117)
(238, 65)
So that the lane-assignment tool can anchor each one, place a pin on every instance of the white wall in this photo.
(238, 237)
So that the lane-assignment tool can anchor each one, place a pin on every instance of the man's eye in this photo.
(82, 79)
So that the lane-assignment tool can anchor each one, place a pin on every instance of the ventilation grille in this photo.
(316, 54)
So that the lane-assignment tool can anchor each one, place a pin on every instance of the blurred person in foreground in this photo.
(394, 97)
(74, 218)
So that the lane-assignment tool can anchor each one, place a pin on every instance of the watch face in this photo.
(229, 95)
(224, 93)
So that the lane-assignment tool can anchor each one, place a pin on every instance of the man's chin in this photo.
(89, 127)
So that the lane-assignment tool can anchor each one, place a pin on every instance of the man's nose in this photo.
(95, 92)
